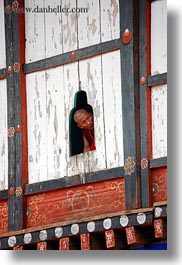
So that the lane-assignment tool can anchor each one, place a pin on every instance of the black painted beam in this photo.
(130, 98)
(3, 194)
(158, 162)
(2, 73)
(14, 120)
(72, 56)
(51, 185)
(158, 79)
(145, 174)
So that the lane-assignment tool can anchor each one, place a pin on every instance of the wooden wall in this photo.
(3, 109)
(159, 66)
(50, 93)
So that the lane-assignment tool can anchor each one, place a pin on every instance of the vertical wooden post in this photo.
(14, 93)
(145, 101)
(130, 100)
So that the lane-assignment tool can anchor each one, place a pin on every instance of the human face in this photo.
(85, 121)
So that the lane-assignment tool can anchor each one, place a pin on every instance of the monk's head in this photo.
(84, 119)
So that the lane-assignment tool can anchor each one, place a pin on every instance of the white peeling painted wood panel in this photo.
(71, 85)
(34, 32)
(37, 129)
(91, 80)
(158, 37)
(109, 20)
(2, 42)
(159, 121)
(69, 26)
(53, 29)
(3, 137)
(113, 109)
(89, 23)
(56, 136)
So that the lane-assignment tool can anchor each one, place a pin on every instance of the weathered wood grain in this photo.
(159, 121)
(2, 42)
(3, 137)
(109, 11)
(111, 68)
(158, 37)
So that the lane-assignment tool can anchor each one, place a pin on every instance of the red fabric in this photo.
(89, 135)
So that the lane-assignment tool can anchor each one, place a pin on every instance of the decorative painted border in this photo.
(62, 230)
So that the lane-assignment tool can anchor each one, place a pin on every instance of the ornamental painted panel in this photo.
(3, 216)
(159, 184)
(76, 203)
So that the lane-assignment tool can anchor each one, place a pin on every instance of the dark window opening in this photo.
(81, 122)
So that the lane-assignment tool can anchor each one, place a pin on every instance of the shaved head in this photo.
(84, 119)
(78, 114)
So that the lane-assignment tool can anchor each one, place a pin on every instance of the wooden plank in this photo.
(88, 23)
(65, 58)
(3, 137)
(160, 228)
(56, 133)
(159, 121)
(2, 42)
(158, 162)
(37, 129)
(69, 27)
(157, 79)
(158, 37)
(109, 19)
(92, 177)
(111, 70)
(53, 30)
(34, 32)
(91, 82)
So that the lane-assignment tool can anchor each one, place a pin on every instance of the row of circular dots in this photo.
(107, 223)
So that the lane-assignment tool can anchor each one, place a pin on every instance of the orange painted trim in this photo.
(23, 104)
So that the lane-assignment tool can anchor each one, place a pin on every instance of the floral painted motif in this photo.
(129, 166)
(144, 163)
(11, 131)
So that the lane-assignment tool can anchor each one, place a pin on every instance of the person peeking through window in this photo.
(84, 120)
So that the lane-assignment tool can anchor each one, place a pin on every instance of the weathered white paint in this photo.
(2, 42)
(88, 23)
(158, 37)
(56, 133)
(37, 129)
(91, 80)
(69, 26)
(53, 29)
(71, 84)
(3, 137)
(113, 109)
(34, 32)
(109, 20)
(159, 121)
